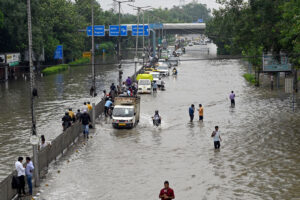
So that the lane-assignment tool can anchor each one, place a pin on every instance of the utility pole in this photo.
(93, 53)
(33, 92)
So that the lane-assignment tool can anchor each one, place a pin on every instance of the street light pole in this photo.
(33, 93)
(119, 41)
(93, 52)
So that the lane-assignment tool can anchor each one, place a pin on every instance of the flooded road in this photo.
(259, 155)
(57, 93)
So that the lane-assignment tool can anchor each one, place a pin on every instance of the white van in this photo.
(156, 76)
(144, 86)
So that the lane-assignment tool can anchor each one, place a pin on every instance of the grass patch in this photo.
(250, 78)
(80, 61)
(55, 69)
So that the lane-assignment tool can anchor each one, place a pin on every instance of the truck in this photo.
(126, 112)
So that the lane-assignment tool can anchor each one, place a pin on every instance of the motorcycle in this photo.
(156, 121)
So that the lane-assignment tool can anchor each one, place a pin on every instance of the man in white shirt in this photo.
(216, 135)
(21, 175)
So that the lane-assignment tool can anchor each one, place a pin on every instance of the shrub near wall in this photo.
(80, 61)
(55, 69)
(250, 78)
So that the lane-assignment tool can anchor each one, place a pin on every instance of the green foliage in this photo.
(257, 26)
(250, 78)
(1, 19)
(188, 13)
(108, 46)
(55, 69)
(290, 30)
(56, 22)
(80, 61)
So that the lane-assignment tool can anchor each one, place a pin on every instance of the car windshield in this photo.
(144, 82)
(162, 68)
(155, 75)
(123, 112)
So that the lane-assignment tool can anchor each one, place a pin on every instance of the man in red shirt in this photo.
(166, 193)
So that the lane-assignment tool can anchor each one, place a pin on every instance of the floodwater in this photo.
(259, 155)
(57, 93)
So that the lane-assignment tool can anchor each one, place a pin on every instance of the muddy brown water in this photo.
(259, 155)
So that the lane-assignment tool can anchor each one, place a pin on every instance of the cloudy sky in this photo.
(108, 4)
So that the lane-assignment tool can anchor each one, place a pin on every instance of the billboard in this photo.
(13, 59)
(271, 64)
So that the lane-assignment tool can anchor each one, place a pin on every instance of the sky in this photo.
(108, 4)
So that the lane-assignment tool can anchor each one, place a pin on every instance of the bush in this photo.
(250, 78)
(80, 61)
(108, 46)
(55, 69)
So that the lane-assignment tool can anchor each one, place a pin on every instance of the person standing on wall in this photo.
(21, 176)
(28, 171)
(85, 120)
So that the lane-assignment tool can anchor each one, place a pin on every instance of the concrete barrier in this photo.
(50, 153)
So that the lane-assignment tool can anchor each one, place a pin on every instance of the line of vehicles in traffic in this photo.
(126, 112)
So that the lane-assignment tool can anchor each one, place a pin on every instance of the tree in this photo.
(290, 30)
(1, 19)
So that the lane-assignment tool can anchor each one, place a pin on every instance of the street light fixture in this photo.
(119, 40)
(137, 35)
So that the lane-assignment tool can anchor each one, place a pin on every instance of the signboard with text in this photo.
(58, 54)
(114, 30)
(140, 30)
(99, 30)
(13, 59)
(271, 64)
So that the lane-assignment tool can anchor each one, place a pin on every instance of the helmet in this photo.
(66, 113)
(156, 112)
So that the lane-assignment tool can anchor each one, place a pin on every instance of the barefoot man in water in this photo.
(166, 193)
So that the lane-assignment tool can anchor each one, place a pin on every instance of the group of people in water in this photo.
(216, 133)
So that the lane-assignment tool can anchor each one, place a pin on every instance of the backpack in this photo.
(15, 182)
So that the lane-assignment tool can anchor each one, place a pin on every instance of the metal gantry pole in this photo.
(32, 95)
(93, 51)
(143, 38)
(137, 42)
(149, 32)
(119, 55)
(143, 30)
